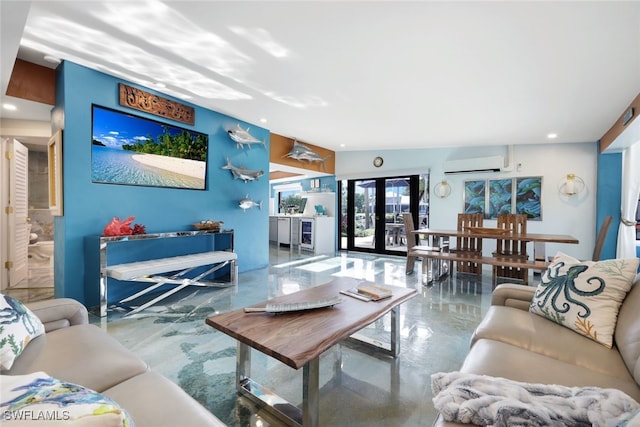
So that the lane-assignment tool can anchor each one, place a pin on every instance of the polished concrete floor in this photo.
(38, 285)
(357, 388)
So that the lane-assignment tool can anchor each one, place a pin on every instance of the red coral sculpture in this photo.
(119, 228)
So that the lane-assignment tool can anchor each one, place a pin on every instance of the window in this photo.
(290, 200)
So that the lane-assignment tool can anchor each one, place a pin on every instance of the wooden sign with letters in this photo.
(149, 103)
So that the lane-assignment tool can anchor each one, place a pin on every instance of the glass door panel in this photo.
(344, 218)
(372, 212)
(423, 202)
(364, 214)
(397, 202)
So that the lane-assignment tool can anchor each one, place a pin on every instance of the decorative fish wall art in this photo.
(247, 203)
(242, 173)
(301, 152)
(243, 137)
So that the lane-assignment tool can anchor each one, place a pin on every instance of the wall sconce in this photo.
(442, 189)
(571, 184)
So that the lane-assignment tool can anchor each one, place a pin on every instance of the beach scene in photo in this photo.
(131, 150)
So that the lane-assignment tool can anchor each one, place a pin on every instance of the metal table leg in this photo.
(372, 344)
(264, 398)
(311, 393)
(395, 331)
(243, 364)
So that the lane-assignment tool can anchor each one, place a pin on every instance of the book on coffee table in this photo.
(368, 292)
(374, 291)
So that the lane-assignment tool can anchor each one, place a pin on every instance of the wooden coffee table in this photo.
(297, 339)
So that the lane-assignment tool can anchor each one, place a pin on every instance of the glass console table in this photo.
(144, 247)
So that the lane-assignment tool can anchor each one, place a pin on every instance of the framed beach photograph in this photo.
(132, 150)
(528, 197)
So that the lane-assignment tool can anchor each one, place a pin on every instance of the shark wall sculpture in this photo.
(243, 137)
(242, 173)
(301, 152)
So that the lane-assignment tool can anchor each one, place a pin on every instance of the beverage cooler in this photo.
(307, 228)
(318, 234)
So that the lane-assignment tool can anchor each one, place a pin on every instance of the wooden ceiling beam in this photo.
(619, 126)
(32, 82)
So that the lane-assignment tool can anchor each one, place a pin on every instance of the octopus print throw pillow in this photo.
(585, 296)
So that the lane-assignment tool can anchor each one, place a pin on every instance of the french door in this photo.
(372, 211)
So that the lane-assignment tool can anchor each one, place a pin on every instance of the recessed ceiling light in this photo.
(161, 85)
(342, 145)
(9, 107)
(552, 135)
(263, 120)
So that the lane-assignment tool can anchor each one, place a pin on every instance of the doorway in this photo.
(371, 212)
(40, 249)
(27, 253)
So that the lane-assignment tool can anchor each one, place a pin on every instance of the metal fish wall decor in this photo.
(242, 173)
(243, 137)
(301, 152)
(247, 203)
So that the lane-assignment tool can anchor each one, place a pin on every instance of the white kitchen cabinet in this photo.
(284, 230)
(273, 229)
(311, 233)
(295, 230)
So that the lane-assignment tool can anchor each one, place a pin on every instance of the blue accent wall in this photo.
(88, 206)
(609, 198)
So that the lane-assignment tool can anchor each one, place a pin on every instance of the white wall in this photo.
(575, 216)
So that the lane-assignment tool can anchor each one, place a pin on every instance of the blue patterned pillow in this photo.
(585, 296)
(18, 326)
(39, 397)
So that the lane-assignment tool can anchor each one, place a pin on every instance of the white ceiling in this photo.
(359, 75)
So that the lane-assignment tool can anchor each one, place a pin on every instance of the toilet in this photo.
(41, 251)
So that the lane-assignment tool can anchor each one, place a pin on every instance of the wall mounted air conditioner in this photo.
(477, 165)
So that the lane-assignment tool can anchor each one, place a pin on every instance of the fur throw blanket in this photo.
(493, 401)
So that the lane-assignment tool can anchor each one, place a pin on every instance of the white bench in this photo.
(152, 270)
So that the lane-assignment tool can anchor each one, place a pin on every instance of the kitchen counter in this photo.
(314, 233)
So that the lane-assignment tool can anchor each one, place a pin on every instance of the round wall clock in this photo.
(378, 161)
